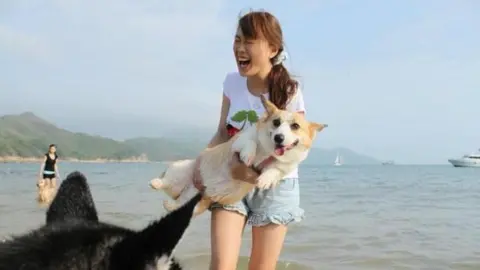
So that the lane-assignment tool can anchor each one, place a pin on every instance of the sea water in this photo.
(357, 217)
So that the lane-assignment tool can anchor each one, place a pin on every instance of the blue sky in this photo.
(394, 79)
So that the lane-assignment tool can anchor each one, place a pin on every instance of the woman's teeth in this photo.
(243, 63)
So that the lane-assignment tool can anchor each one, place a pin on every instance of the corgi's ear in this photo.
(269, 106)
(317, 127)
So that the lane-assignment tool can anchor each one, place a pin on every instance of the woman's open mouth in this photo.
(243, 64)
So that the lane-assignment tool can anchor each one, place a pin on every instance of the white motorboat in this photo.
(472, 160)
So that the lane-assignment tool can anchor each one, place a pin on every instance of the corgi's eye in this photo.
(276, 122)
(294, 126)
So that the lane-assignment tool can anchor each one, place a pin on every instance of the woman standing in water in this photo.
(49, 167)
(258, 48)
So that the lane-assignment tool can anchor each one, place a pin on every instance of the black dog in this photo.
(74, 238)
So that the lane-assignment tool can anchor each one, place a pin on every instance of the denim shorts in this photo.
(278, 205)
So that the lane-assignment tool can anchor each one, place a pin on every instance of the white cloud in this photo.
(140, 58)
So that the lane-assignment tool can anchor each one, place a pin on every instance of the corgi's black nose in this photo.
(279, 138)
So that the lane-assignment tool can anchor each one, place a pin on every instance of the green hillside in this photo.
(27, 135)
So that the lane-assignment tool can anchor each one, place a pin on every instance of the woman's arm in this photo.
(57, 172)
(221, 134)
(42, 166)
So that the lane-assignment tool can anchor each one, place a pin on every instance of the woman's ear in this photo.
(274, 51)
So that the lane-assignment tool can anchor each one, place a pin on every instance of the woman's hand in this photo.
(197, 176)
(242, 172)
(239, 171)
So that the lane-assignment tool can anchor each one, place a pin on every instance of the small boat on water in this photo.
(471, 160)
(388, 162)
(338, 161)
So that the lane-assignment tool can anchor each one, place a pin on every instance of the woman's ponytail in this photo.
(281, 87)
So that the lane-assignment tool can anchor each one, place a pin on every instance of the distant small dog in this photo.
(278, 142)
(74, 238)
(45, 192)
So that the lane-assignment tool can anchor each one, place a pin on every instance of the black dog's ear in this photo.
(154, 245)
(73, 200)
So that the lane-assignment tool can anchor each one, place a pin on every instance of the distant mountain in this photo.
(28, 136)
(160, 149)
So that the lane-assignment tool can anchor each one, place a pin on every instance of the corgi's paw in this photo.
(156, 183)
(248, 152)
(265, 182)
(170, 205)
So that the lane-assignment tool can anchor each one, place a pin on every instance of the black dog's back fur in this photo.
(73, 238)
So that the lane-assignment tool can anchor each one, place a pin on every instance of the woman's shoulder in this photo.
(296, 102)
(232, 83)
(233, 77)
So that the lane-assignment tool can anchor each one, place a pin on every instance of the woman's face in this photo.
(53, 149)
(252, 55)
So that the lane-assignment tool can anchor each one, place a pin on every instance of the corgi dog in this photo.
(278, 143)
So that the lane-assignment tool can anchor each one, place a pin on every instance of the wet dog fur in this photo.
(45, 192)
(285, 136)
(74, 238)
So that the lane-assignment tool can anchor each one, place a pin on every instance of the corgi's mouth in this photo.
(280, 149)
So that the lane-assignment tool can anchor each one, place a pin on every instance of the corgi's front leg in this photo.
(157, 183)
(269, 178)
(246, 145)
(247, 154)
(170, 205)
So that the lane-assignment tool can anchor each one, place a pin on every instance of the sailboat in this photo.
(337, 160)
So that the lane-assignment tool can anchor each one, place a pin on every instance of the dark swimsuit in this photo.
(49, 168)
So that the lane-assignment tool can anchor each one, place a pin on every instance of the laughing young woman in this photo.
(259, 52)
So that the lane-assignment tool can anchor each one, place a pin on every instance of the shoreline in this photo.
(16, 159)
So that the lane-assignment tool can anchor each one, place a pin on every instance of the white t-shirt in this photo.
(242, 103)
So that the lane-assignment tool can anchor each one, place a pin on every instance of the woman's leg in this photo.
(271, 211)
(227, 227)
(267, 243)
(53, 182)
